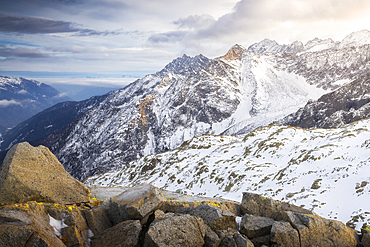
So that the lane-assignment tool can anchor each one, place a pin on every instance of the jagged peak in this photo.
(235, 53)
(356, 39)
(186, 64)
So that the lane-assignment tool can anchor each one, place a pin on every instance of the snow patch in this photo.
(57, 225)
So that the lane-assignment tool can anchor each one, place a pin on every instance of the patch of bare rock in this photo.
(145, 215)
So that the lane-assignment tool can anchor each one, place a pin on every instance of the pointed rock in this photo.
(35, 174)
(135, 203)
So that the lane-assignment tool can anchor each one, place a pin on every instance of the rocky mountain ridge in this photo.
(232, 95)
(20, 99)
(359, 38)
(347, 104)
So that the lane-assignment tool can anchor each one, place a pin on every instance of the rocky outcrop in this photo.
(35, 174)
(177, 230)
(87, 224)
(126, 233)
(215, 218)
(141, 216)
(135, 203)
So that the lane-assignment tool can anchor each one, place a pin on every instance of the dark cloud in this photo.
(36, 25)
(6, 51)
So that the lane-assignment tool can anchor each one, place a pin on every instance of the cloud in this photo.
(22, 92)
(8, 51)
(6, 103)
(195, 21)
(173, 36)
(37, 25)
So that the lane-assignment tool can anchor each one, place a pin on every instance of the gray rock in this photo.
(365, 231)
(211, 239)
(215, 218)
(97, 219)
(232, 237)
(284, 234)
(135, 203)
(254, 226)
(19, 227)
(35, 174)
(125, 234)
(261, 206)
(317, 231)
(183, 230)
(261, 241)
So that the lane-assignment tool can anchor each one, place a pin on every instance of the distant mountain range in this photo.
(20, 99)
(232, 94)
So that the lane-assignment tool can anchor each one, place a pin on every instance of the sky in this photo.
(76, 40)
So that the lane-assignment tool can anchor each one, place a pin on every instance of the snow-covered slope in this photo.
(347, 104)
(232, 94)
(326, 170)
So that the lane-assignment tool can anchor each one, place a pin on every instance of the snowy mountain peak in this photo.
(186, 65)
(235, 53)
(356, 39)
(317, 44)
(265, 45)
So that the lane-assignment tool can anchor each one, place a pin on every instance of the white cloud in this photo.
(6, 103)
(22, 92)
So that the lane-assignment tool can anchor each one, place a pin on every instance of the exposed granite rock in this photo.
(20, 228)
(135, 203)
(254, 226)
(215, 218)
(232, 237)
(35, 174)
(317, 231)
(365, 236)
(183, 230)
(257, 205)
(124, 234)
(283, 234)
(97, 219)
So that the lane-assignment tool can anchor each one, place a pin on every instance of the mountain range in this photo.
(230, 124)
(192, 96)
(20, 99)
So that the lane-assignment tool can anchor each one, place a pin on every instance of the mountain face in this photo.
(20, 99)
(359, 38)
(232, 94)
(320, 169)
(347, 104)
(47, 121)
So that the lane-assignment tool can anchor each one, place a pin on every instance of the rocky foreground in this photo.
(43, 206)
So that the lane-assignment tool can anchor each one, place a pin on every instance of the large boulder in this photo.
(317, 231)
(124, 234)
(255, 226)
(27, 225)
(176, 230)
(258, 205)
(283, 234)
(365, 231)
(97, 219)
(215, 218)
(35, 174)
(135, 203)
(232, 237)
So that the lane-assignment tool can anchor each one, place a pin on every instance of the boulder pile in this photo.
(145, 215)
